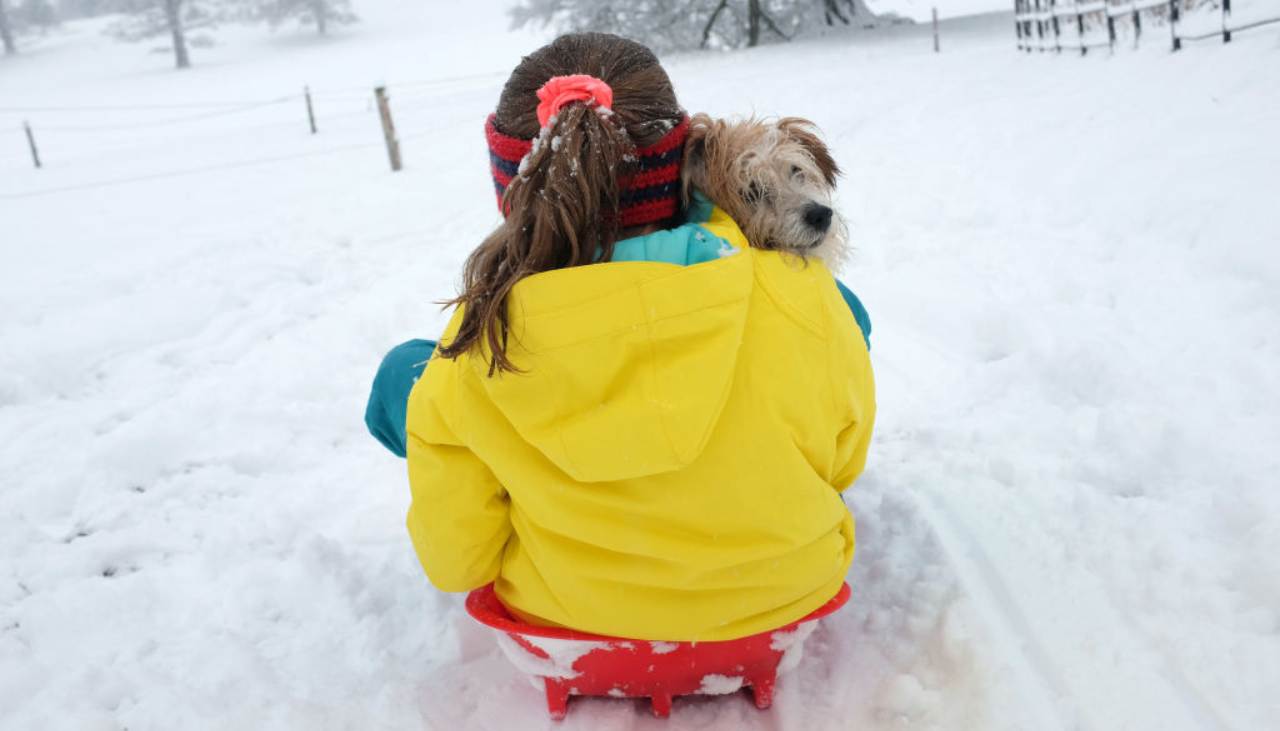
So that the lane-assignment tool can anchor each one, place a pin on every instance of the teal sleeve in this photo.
(389, 397)
(859, 312)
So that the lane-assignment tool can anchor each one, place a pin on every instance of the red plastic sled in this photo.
(579, 663)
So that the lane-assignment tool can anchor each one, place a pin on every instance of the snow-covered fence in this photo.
(31, 143)
(199, 111)
(1038, 24)
(192, 121)
(1047, 16)
(388, 128)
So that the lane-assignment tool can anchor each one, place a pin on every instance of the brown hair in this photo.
(562, 209)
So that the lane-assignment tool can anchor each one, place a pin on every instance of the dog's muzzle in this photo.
(818, 217)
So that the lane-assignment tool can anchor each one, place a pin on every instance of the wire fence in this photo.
(200, 169)
(1048, 25)
(349, 92)
(135, 125)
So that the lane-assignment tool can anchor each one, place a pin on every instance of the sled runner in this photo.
(566, 662)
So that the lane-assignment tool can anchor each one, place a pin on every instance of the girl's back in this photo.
(666, 464)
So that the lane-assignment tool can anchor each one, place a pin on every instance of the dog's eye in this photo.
(796, 172)
(755, 193)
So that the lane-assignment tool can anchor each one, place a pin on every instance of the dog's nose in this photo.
(818, 216)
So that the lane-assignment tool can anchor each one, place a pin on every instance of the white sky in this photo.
(919, 9)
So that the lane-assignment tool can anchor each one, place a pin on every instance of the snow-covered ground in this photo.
(1069, 519)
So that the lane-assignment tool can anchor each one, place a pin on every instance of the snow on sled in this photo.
(565, 662)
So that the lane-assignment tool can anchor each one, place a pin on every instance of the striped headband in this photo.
(651, 194)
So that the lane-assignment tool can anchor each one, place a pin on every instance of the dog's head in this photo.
(775, 179)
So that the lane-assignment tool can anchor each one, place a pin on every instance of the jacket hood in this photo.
(662, 343)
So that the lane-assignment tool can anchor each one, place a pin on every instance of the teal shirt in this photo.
(684, 245)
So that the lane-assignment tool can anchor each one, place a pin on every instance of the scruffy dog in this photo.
(774, 178)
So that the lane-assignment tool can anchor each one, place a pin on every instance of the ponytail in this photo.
(575, 158)
(562, 211)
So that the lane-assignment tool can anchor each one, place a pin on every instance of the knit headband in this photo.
(650, 194)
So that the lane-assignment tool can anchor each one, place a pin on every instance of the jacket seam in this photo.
(670, 270)
(787, 308)
(623, 328)
(653, 379)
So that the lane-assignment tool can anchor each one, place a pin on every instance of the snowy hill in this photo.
(1068, 519)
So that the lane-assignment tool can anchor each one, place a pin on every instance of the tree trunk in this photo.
(773, 26)
(859, 9)
(173, 16)
(753, 23)
(319, 9)
(706, 30)
(5, 33)
(833, 12)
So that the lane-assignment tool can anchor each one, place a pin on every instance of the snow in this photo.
(791, 645)
(560, 655)
(663, 648)
(714, 684)
(1068, 518)
(921, 10)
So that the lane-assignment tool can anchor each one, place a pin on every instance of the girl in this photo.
(631, 428)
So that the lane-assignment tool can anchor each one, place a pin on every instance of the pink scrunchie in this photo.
(562, 90)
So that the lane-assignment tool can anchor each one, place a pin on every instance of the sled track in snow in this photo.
(984, 586)
(989, 592)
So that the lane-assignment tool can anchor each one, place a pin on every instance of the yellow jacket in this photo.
(668, 465)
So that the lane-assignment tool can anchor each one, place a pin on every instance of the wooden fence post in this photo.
(388, 127)
(1226, 15)
(1026, 29)
(936, 47)
(1026, 26)
(1017, 21)
(1137, 25)
(1057, 33)
(1084, 48)
(311, 112)
(1173, 25)
(1039, 29)
(1111, 29)
(31, 142)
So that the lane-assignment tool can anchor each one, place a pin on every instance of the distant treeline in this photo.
(174, 19)
(668, 25)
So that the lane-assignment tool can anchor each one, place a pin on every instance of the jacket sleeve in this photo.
(859, 312)
(389, 398)
(851, 453)
(459, 517)
(855, 388)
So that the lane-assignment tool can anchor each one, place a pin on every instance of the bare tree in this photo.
(174, 18)
(758, 16)
(6, 33)
(711, 22)
(666, 25)
(845, 11)
(68, 9)
(319, 13)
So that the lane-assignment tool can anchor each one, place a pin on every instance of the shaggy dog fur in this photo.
(775, 179)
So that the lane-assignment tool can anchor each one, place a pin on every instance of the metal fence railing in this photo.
(1047, 25)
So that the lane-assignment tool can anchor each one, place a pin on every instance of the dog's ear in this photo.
(806, 133)
(693, 168)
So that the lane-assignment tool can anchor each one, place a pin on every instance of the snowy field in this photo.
(1069, 519)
